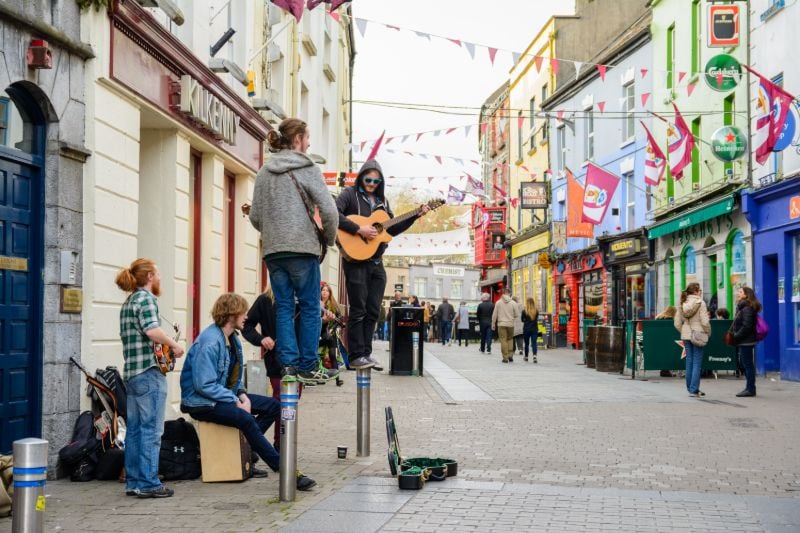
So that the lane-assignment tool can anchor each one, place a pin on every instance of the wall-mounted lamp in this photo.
(218, 64)
(262, 104)
(168, 7)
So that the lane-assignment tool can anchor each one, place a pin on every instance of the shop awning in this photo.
(492, 277)
(692, 217)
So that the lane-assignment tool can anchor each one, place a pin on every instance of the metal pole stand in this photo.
(290, 398)
(363, 378)
(30, 476)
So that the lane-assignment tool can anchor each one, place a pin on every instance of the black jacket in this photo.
(354, 201)
(484, 312)
(530, 324)
(262, 314)
(744, 324)
(445, 311)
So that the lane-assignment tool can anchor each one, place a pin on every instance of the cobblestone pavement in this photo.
(556, 445)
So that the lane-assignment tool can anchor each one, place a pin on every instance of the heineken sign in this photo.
(728, 143)
(723, 72)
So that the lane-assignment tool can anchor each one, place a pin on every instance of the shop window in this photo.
(589, 139)
(456, 292)
(419, 287)
(629, 105)
(630, 203)
(437, 288)
(592, 295)
(688, 266)
(737, 265)
(634, 293)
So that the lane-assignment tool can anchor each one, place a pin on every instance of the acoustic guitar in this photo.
(163, 353)
(358, 248)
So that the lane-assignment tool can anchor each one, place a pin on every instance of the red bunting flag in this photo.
(450, 130)
(690, 88)
(492, 53)
(645, 96)
(438, 159)
(520, 120)
(602, 70)
(601, 106)
(389, 139)
(430, 179)
(420, 135)
(484, 127)
(538, 61)
(363, 144)
(554, 66)
(335, 16)
(560, 115)
(376, 147)
(681, 75)
(719, 80)
(644, 72)
(456, 41)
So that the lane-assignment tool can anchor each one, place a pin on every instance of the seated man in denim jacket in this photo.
(212, 389)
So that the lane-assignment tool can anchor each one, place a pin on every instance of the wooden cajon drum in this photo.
(224, 453)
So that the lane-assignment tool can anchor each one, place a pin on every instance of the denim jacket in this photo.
(205, 373)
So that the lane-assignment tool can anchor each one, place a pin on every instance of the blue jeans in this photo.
(747, 358)
(486, 336)
(264, 412)
(446, 330)
(147, 397)
(530, 338)
(296, 277)
(694, 363)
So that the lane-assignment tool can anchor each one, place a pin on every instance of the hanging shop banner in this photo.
(723, 72)
(723, 26)
(534, 195)
(728, 143)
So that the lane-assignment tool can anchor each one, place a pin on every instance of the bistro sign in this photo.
(201, 105)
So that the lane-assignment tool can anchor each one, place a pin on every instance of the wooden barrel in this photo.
(590, 345)
(610, 349)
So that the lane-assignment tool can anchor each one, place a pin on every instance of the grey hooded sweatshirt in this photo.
(278, 211)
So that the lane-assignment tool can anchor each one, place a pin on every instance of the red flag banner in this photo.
(654, 160)
(492, 54)
(575, 227)
(598, 193)
(376, 147)
(602, 70)
(772, 108)
(554, 66)
(538, 61)
(681, 143)
(295, 7)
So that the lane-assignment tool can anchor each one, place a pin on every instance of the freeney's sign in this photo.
(201, 105)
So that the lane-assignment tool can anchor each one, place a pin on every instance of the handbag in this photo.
(728, 338)
(699, 338)
(323, 243)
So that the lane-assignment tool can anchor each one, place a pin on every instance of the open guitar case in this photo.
(413, 472)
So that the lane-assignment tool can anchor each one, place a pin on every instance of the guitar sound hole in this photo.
(378, 227)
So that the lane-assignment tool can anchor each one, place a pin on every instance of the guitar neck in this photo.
(400, 218)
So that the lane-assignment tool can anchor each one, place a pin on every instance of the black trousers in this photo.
(365, 283)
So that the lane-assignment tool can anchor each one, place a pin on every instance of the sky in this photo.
(402, 67)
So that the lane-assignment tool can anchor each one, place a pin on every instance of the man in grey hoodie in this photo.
(366, 280)
(290, 245)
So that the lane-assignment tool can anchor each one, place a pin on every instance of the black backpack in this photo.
(180, 451)
(80, 455)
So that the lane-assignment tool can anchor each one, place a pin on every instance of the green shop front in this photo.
(710, 245)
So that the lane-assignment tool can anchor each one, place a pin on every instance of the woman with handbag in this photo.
(743, 333)
(692, 322)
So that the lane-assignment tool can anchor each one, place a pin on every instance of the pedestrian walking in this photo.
(484, 315)
(530, 328)
(505, 314)
(445, 313)
(288, 187)
(743, 330)
(426, 319)
(692, 322)
(463, 324)
(139, 329)
(518, 326)
(433, 336)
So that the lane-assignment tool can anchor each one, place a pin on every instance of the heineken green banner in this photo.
(728, 143)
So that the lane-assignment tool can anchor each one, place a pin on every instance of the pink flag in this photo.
(681, 143)
(335, 16)
(499, 191)
(645, 96)
(363, 144)
(484, 126)
(438, 159)
(492, 53)
(474, 186)
(430, 179)
(690, 88)
(681, 75)
(602, 70)
(389, 139)
(772, 108)
(376, 147)
(420, 135)
(598, 192)
(654, 160)
(560, 114)
(644, 72)
(520, 121)
(456, 41)
(295, 7)
(538, 61)
(449, 131)
(601, 106)
(554, 65)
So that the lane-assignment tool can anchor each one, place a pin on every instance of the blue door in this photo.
(21, 249)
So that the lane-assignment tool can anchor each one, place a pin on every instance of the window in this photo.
(437, 288)
(688, 266)
(476, 290)
(796, 290)
(696, 155)
(520, 122)
(456, 289)
(562, 148)
(419, 287)
(629, 99)
(737, 265)
(697, 43)
(630, 195)
(671, 57)
(532, 112)
(546, 125)
(589, 140)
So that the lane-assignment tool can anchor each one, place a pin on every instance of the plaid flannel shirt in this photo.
(139, 313)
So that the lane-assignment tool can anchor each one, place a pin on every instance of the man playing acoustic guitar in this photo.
(366, 280)
(146, 386)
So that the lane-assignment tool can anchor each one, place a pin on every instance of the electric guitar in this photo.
(359, 248)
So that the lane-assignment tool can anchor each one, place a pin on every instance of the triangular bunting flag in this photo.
(430, 179)
(420, 135)
(376, 147)
(681, 76)
(449, 131)
(396, 28)
(471, 49)
(361, 24)
(467, 129)
(492, 53)
(515, 57)
(719, 80)
(560, 115)
(520, 121)
(363, 144)
(645, 96)
(423, 34)
(436, 133)
(601, 106)
(335, 16)
(578, 65)
(554, 66)
(538, 61)
(404, 139)
(690, 88)
(455, 41)
(602, 70)
(644, 72)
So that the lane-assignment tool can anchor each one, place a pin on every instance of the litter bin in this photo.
(407, 341)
